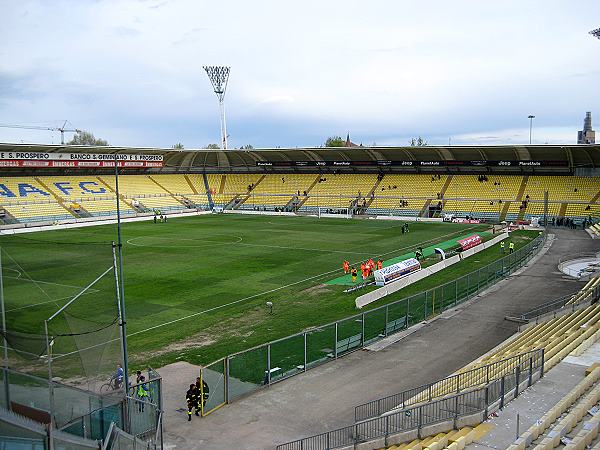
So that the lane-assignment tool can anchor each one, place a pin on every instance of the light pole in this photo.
(596, 33)
(219, 75)
(530, 117)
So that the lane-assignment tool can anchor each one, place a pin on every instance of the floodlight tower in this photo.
(219, 75)
(596, 33)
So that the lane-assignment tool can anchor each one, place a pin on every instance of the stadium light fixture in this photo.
(530, 117)
(596, 33)
(218, 76)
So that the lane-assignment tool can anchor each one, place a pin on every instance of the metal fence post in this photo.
(387, 319)
(269, 364)
(455, 410)
(502, 392)
(425, 312)
(487, 399)
(543, 360)
(362, 331)
(227, 380)
(387, 428)
(455, 292)
(305, 353)
(336, 341)
(407, 313)
(517, 378)
(468, 285)
(530, 381)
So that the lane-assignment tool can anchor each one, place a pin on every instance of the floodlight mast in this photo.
(596, 33)
(219, 75)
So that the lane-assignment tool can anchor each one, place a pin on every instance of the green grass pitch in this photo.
(196, 287)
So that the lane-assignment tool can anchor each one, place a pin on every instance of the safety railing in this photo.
(472, 405)
(20, 432)
(85, 414)
(563, 304)
(453, 384)
(244, 372)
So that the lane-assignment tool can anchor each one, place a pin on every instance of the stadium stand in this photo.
(553, 426)
(453, 440)
(586, 292)
(487, 195)
(488, 183)
(341, 191)
(279, 191)
(410, 194)
(563, 190)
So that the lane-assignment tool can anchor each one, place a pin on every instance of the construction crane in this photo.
(62, 129)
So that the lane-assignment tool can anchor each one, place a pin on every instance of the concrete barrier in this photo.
(400, 438)
(431, 430)
(395, 286)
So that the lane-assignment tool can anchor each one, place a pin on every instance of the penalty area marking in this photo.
(31, 280)
(250, 297)
(43, 303)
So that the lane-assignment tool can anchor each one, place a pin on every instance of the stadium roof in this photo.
(570, 155)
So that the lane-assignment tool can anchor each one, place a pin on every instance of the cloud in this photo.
(125, 32)
(301, 72)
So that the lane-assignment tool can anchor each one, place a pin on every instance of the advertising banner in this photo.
(469, 242)
(395, 271)
(68, 160)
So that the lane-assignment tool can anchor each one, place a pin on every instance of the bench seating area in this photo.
(558, 336)
(452, 440)
(38, 212)
(105, 207)
(586, 292)
(400, 194)
(594, 230)
(562, 418)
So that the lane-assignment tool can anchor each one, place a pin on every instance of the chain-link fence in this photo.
(242, 373)
(61, 339)
(18, 432)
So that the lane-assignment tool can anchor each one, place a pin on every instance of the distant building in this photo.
(587, 135)
(349, 143)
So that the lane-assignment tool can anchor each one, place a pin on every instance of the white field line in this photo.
(38, 304)
(19, 277)
(31, 280)
(238, 242)
(189, 316)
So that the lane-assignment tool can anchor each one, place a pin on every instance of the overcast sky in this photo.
(131, 71)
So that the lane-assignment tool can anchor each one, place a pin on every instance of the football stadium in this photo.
(241, 269)
(268, 292)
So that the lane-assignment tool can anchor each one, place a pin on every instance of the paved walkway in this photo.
(324, 398)
(534, 402)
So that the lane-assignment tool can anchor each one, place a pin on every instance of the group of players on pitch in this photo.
(367, 268)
